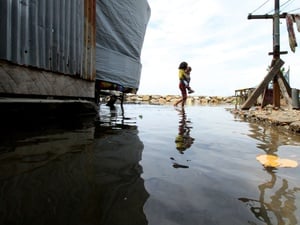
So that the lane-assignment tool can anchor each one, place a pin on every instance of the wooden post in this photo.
(274, 74)
(285, 89)
(259, 90)
(276, 54)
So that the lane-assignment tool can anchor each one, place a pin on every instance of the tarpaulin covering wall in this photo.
(120, 31)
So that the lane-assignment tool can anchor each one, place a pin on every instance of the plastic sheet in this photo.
(120, 31)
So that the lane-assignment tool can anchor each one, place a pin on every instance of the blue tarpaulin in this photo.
(120, 31)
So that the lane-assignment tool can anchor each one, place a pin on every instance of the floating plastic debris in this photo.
(275, 161)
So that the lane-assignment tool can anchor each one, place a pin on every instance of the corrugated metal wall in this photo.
(55, 35)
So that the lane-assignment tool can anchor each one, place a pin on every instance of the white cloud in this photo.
(225, 49)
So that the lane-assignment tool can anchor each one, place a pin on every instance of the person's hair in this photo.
(183, 65)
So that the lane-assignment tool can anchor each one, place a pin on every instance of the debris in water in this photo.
(176, 165)
(275, 161)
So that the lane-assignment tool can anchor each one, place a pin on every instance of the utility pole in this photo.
(276, 47)
(276, 54)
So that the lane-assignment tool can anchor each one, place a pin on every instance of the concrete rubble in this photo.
(283, 118)
(171, 99)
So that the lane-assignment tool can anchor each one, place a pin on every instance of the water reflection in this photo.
(279, 207)
(25, 147)
(85, 174)
(270, 139)
(276, 203)
(183, 139)
(114, 118)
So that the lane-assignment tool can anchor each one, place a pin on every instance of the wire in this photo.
(260, 6)
(284, 5)
(294, 10)
(271, 11)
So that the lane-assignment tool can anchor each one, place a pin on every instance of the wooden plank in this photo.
(258, 91)
(286, 84)
(285, 90)
(276, 92)
(22, 80)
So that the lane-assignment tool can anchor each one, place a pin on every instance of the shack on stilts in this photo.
(58, 56)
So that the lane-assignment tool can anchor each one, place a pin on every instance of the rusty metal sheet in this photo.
(52, 35)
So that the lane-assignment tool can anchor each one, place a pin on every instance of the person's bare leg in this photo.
(176, 103)
(183, 101)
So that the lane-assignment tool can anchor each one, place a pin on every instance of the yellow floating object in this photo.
(268, 160)
(275, 161)
(288, 163)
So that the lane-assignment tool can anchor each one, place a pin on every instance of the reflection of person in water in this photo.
(183, 140)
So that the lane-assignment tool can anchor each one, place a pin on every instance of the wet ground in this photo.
(153, 165)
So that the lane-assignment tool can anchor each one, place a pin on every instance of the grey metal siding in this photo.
(49, 34)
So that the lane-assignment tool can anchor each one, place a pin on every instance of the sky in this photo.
(226, 50)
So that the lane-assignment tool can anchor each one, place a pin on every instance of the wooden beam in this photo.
(258, 91)
(276, 93)
(285, 84)
(285, 89)
(266, 16)
(23, 80)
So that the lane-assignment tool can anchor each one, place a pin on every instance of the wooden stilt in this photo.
(264, 84)
(276, 92)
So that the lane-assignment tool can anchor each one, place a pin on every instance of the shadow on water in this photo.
(276, 203)
(72, 172)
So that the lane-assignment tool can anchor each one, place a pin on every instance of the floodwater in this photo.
(153, 165)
